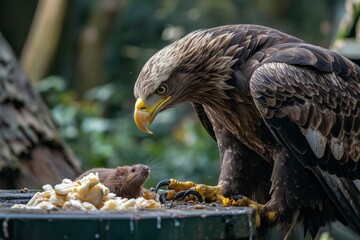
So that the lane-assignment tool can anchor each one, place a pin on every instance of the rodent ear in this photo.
(121, 171)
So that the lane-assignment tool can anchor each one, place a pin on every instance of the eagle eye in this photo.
(162, 89)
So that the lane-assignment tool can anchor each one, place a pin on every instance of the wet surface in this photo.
(11, 197)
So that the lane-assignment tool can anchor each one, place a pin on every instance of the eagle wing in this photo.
(204, 119)
(308, 97)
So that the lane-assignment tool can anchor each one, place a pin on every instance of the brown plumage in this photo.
(285, 115)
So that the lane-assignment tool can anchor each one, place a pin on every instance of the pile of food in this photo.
(86, 193)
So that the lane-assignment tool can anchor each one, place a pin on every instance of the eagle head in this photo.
(191, 69)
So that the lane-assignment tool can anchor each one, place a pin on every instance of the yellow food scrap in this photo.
(86, 193)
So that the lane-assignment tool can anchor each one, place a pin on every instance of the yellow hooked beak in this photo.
(144, 114)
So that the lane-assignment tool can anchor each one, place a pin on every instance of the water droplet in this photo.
(158, 223)
(250, 216)
(97, 236)
(176, 223)
(131, 226)
(107, 226)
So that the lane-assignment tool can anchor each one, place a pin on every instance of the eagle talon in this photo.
(162, 197)
(162, 183)
(183, 194)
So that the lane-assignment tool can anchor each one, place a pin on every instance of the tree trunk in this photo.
(92, 43)
(31, 150)
(43, 39)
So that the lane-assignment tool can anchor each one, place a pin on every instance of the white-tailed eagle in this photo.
(285, 115)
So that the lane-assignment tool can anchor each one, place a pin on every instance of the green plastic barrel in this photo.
(186, 222)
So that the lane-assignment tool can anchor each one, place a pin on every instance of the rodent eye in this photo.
(162, 89)
(133, 169)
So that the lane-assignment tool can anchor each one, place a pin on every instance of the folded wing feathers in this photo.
(323, 105)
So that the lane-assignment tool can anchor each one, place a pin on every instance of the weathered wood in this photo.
(31, 151)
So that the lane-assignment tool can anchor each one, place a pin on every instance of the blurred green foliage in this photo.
(182, 149)
(98, 125)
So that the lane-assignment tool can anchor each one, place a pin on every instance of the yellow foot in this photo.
(215, 194)
(261, 210)
(183, 189)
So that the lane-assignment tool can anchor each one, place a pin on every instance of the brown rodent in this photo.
(124, 181)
